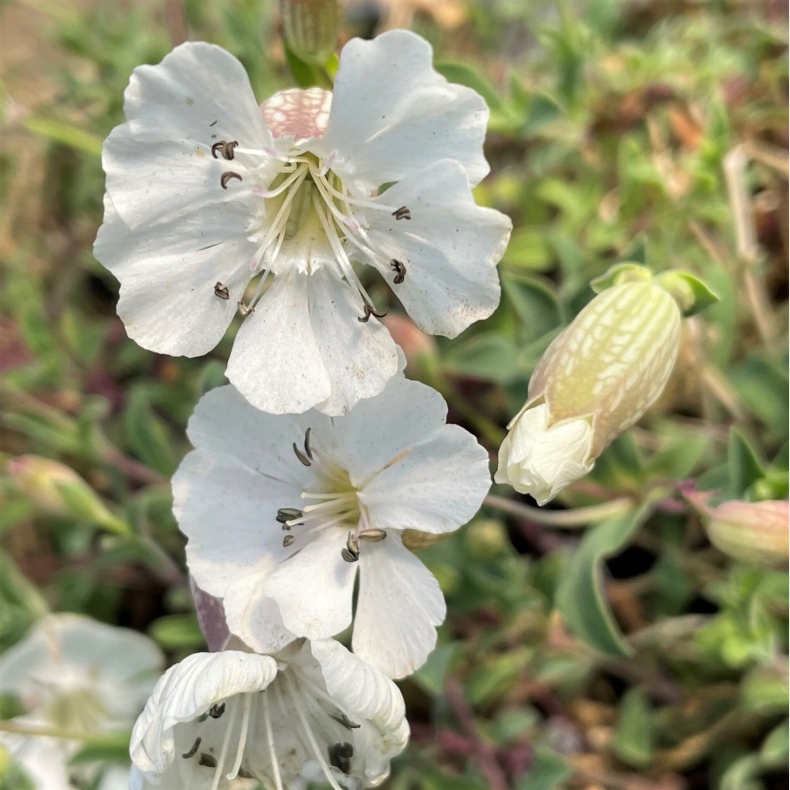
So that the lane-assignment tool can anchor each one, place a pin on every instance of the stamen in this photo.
(258, 290)
(346, 198)
(225, 177)
(369, 311)
(286, 514)
(400, 270)
(267, 720)
(193, 751)
(245, 723)
(226, 149)
(351, 552)
(270, 193)
(372, 535)
(301, 456)
(340, 755)
(341, 718)
(215, 711)
(402, 213)
(327, 166)
(222, 755)
(221, 291)
(310, 736)
(288, 540)
(307, 449)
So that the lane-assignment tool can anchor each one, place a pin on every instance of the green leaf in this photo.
(762, 385)
(744, 465)
(148, 434)
(528, 249)
(431, 675)
(487, 356)
(548, 770)
(110, 747)
(633, 737)
(580, 596)
(774, 751)
(464, 74)
(703, 296)
(537, 306)
(177, 632)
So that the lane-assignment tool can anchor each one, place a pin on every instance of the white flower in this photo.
(541, 461)
(323, 715)
(282, 511)
(205, 190)
(73, 675)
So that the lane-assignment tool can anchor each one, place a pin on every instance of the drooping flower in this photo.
(281, 512)
(311, 712)
(205, 191)
(595, 380)
(74, 676)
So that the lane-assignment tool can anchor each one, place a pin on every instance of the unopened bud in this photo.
(753, 531)
(485, 538)
(311, 28)
(59, 490)
(595, 380)
(414, 539)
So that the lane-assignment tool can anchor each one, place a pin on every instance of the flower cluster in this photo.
(310, 466)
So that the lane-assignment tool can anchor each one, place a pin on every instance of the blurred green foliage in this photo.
(620, 652)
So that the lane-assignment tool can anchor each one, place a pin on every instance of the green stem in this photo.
(578, 517)
(33, 731)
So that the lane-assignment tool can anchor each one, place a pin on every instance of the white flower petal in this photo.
(276, 361)
(371, 694)
(225, 422)
(393, 114)
(450, 248)
(116, 664)
(186, 691)
(359, 357)
(43, 760)
(168, 272)
(378, 430)
(400, 604)
(437, 487)
(228, 512)
(254, 618)
(159, 165)
(314, 587)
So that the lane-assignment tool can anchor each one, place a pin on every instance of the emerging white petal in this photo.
(541, 461)
(311, 711)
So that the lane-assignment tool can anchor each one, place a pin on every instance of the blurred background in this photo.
(572, 657)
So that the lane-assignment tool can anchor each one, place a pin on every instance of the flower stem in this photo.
(578, 517)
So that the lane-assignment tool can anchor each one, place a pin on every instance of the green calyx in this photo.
(690, 293)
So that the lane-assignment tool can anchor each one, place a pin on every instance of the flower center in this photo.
(334, 503)
(282, 698)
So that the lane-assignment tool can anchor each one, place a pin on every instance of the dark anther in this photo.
(340, 755)
(221, 291)
(214, 123)
(341, 718)
(226, 149)
(288, 514)
(369, 311)
(207, 760)
(193, 750)
(402, 213)
(307, 449)
(301, 456)
(225, 177)
(400, 271)
(351, 552)
(288, 540)
(215, 711)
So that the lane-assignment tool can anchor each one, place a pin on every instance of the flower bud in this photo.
(311, 28)
(595, 380)
(752, 531)
(59, 490)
